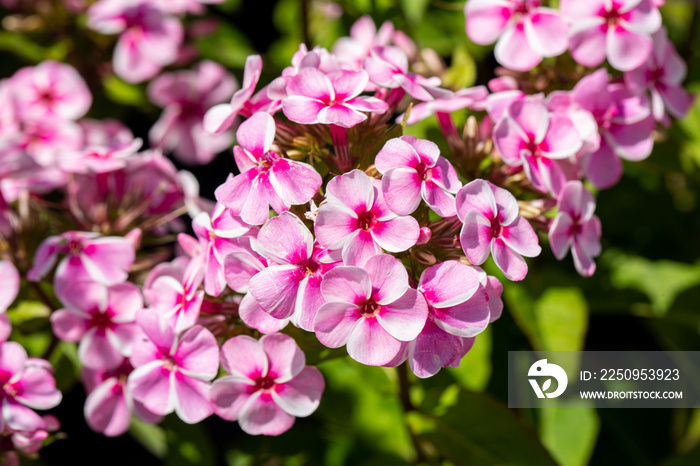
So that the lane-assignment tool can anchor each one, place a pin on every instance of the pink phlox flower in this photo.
(216, 236)
(9, 288)
(355, 218)
(413, 168)
(351, 51)
(172, 371)
(148, 38)
(576, 227)
(28, 442)
(290, 286)
(372, 310)
(266, 179)
(50, 89)
(492, 225)
(318, 58)
(178, 299)
(624, 122)
(529, 135)
(458, 310)
(663, 74)
(45, 141)
(617, 29)
(186, 96)
(523, 30)
(101, 318)
(388, 67)
(109, 404)
(220, 117)
(106, 260)
(99, 159)
(26, 384)
(473, 98)
(269, 384)
(330, 99)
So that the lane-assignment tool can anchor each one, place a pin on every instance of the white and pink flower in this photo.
(371, 310)
(492, 226)
(267, 387)
(356, 219)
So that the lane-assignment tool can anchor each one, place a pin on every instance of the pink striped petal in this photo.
(397, 152)
(440, 201)
(487, 19)
(359, 247)
(340, 115)
(388, 277)
(334, 323)
(466, 319)
(285, 239)
(396, 235)
(150, 384)
(546, 32)
(405, 317)
(192, 402)
(285, 358)
(448, 283)
(275, 289)
(627, 50)
(587, 42)
(106, 410)
(243, 357)
(560, 234)
(257, 134)
(520, 237)
(261, 415)
(511, 263)
(295, 182)
(370, 344)
(96, 352)
(401, 188)
(198, 353)
(300, 396)
(346, 284)
(69, 325)
(228, 395)
(255, 316)
(301, 109)
(514, 51)
(432, 350)
(476, 196)
(476, 237)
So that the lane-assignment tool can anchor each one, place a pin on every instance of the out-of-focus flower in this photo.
(186, 96)
(619, 30)
(525, 31)
(662, 74)
(148, 38)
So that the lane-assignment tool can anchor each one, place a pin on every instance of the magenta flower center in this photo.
(496, 228)
(366, 220)
(74, 247)
(654, 75)
(266, 161)
(264, 383)
(311, 267)
(102, 320)
(369, 308)
(613, 17)
(424, 171)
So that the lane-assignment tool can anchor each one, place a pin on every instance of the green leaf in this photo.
(660, 280)
(361, 404)
(27, 311)
(414, 10)
(188, 444)
(561, 315)
(122, 92)
(151, 436)
(478, 430)
(66, 364)
(520, 303)
(462, 72)
(570, 432)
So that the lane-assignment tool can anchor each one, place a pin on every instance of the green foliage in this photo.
(570, 432)
(478, 430)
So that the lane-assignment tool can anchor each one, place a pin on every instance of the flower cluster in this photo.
(334, 219)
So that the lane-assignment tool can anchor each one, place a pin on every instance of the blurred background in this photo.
(645, 294)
